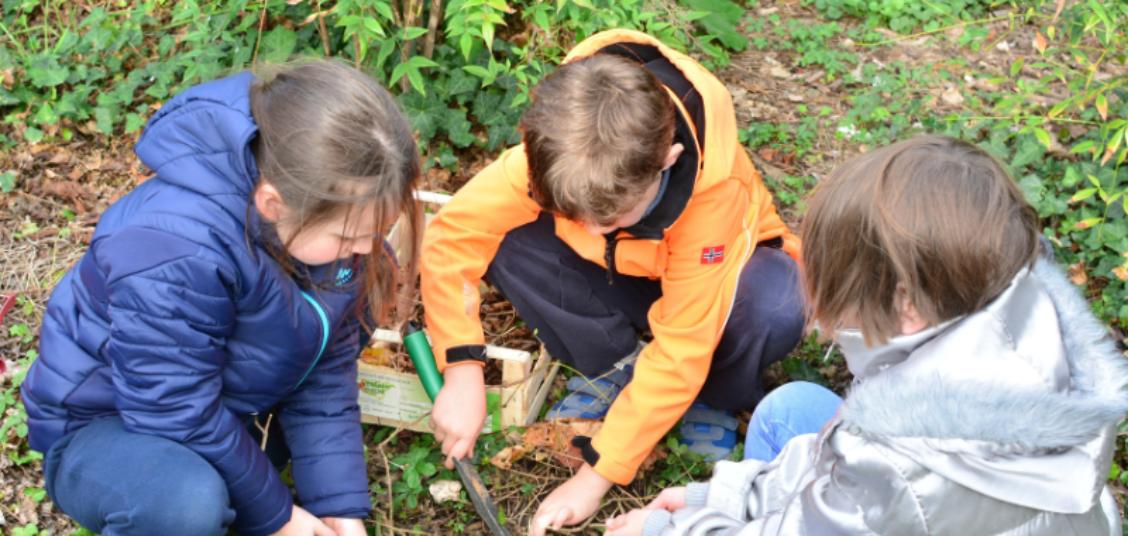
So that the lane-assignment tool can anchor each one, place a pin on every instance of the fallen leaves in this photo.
(553, 439)
(1077, 274)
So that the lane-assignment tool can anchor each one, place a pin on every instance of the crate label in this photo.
(398, 396)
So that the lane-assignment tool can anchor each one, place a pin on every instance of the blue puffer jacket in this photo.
(179, 321)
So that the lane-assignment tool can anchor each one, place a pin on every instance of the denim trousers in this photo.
(116, 482)
(790, 410)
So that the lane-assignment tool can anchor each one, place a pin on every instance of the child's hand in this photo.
(628, 524)
(670, 499)
(345, 526)
(572, 502)
(460, 411)
(303, 523)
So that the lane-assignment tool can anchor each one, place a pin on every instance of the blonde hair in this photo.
(332, 141)
(596, 135)
(931, 220)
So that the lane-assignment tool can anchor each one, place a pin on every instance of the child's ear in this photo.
(268, 202)
(911, 321)
(672, 156)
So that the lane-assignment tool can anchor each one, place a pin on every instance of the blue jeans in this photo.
(790, 410)
(116, 482)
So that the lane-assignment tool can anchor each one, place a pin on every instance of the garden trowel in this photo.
(415, 342)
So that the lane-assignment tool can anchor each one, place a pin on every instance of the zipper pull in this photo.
(609, 256)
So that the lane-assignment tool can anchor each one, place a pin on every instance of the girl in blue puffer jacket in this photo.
(226, 297)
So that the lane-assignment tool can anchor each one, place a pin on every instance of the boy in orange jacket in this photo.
(629, 207)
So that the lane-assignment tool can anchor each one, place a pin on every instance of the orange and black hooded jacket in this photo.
(695, 242)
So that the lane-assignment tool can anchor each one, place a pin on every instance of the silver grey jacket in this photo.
(1003, 422)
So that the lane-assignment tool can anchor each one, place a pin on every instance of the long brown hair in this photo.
(332, 141)
(596, 135)
(933, 221)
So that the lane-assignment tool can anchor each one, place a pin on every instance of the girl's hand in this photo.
(345, 526)
(572, 502)
(670, 499)
(303, 523)
(460, 411)
(628, 524)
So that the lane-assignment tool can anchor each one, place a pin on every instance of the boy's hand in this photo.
(572, 502)
(460, 411)
(670, 499)
(628, 524)
(345, 526)
(303, 523)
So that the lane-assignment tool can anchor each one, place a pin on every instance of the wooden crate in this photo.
(396, 398)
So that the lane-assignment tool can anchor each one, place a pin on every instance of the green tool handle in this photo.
(415, 342)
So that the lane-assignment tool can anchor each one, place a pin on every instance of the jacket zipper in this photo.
(324, 336)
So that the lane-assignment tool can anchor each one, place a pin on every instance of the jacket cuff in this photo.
(273, 524)
(470, 352)
(656, 522)
(695, 493)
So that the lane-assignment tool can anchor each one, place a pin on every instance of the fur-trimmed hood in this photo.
(1018, 401)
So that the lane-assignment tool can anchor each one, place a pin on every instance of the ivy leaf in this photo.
(7, 182)
(277, 45)
(720, 21)
(104, 120)
(45, 71)
(133, 122)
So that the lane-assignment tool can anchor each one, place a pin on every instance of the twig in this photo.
(433, 28)
(321, 29)
(388, 485)
(258, 38)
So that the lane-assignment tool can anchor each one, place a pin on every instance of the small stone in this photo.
(779, 72)
(445, 490)
(952, 96)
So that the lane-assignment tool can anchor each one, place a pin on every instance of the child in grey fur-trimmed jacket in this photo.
(986, 395)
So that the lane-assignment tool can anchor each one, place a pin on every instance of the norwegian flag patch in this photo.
(712, 255)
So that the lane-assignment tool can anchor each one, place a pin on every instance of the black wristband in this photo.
(469, 352)
(587, 452)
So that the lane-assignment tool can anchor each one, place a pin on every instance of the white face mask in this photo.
(866, 361)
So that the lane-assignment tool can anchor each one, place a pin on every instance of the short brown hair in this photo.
(596, 135)
(934, 218)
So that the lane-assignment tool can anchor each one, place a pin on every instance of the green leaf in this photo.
(36, 494)
(133, 122)
(416, 80)
(1016, 67)
(33, 135)
(7, 182)
(1082, 195)
(1043, 137)
(44, 71)
(373, 25)
(277, 46)
(104, 120)
(384, 9)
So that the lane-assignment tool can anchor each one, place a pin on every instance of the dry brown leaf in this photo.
(505, 458)
(377, 355)
(555, 438)
(70, 191)
(1040, 42)
(1121, 272)
(1077, 274)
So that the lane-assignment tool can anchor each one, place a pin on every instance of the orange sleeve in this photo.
(460, 243)
(687, 322)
